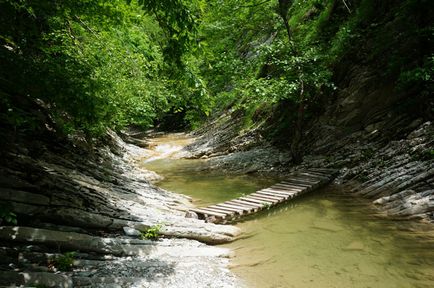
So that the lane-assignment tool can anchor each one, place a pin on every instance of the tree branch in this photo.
(348, 8)
(86, 26)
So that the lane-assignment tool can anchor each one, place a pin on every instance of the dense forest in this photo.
(109, 64)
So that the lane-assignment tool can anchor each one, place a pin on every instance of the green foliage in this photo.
(152, 233)
(99, 64)
(179, 20)
(249, 60)
(424, 155)
(420, 76)
(64, 262)
(108, 64)
(7, 217)
(260, 65)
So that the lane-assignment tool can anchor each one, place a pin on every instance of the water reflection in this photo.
(319, 242)
(325, 239)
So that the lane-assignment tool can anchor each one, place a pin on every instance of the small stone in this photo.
(211, 219)
(131, 232)
(191, 214)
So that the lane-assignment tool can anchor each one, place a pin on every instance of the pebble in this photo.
(132, 232)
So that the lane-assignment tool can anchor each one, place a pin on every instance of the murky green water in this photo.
(329, 240)
(186, 177)
(325, 239)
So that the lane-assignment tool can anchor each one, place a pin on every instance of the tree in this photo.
(96, 64)
(179, 19)
(296, 151)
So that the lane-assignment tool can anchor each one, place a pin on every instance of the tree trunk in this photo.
(296, 150)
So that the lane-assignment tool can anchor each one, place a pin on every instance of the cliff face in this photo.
(383, 155)
(61, 196)
(384, 146)
(376, 126)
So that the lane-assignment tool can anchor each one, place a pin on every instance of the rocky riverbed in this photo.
(85, 211)
(390, 162)
(97, 203)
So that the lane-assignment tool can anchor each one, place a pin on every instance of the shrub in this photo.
(153, 233)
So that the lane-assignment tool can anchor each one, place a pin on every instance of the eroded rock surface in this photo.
(389, 160)
(70, 200)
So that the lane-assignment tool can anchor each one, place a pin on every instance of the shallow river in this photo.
(325, 239)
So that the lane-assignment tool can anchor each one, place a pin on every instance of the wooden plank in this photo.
(254, 205)
(229, 209)
(208, 212)
(247, 204)
(236, 207)
(290, 189)
(255, 201)
(248, 207)
(289, 194)
(250, 198)
(282, 196)
(238, 210)
(287, 187)
(265, 196)
(274, 195)
(278, 192)
(257, 197)
(243, 203)
(274, 192)
(286, 190)
(297, 183)
(271, 195)
(220, 210)
(269, 201)
(224, 214)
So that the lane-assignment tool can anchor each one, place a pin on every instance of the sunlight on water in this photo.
(330, 240)
(325, 239)
(169, 146)
(164, 151)
(186, 177)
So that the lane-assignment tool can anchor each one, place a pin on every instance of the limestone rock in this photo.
(131, 232)
(190, 214)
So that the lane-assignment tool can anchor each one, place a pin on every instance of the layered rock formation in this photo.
(69, 199)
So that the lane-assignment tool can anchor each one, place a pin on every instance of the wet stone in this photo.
(132, 232)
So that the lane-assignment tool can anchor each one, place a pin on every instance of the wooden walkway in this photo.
(296, 184)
